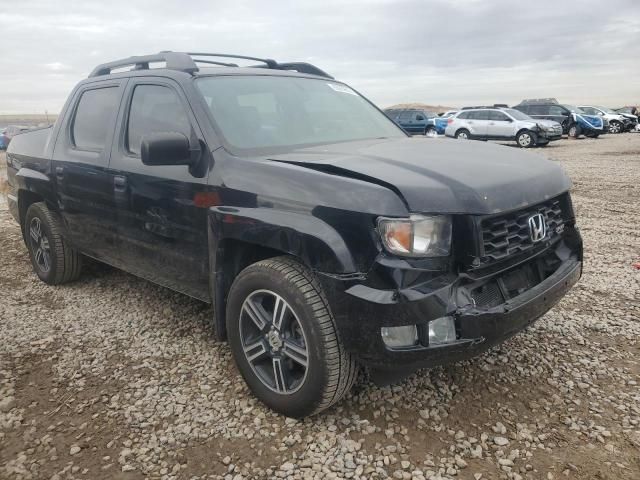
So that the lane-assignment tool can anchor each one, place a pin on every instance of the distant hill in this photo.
(26, 119)
(424, 106)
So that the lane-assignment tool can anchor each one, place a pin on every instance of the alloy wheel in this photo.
(614, 127)
(274, 342)
(40, 245)
(524, 140)
(463, 136)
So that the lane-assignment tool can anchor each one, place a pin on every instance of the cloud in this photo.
(436, 51)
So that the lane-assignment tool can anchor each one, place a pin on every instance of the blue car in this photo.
(414, 121)
(3, 145)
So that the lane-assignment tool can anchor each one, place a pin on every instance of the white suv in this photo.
(618, 123)
(493, 123)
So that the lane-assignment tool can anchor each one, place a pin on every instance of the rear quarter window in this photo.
(94, 116)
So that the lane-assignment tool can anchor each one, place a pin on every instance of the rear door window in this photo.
(479, 115)
(497, 116)
(93, 118)
(154, 109)
(537, 110)
(405, 116)
(556, 110)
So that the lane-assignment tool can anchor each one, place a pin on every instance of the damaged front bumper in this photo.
(488, 307)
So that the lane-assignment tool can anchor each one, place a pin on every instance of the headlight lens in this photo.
(417, 236)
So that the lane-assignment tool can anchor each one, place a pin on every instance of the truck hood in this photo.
(440, 176)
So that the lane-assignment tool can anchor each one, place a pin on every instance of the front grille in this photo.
(509, 234)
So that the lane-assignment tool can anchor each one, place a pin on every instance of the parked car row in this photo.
(533, 122)
(498, 123)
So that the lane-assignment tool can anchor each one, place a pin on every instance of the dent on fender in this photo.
(302, 235)
(28, 173)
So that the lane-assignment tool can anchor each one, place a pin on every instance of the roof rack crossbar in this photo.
(211, 62)
(269, 62)
(185, 62)
(533, 101)
(303, 67)
(174, 61)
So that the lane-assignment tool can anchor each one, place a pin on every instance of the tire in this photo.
(430, 132)
(526, 139)
(261, 345)
(615, 127)
(575, 130)
(463, 134)
(53, 259)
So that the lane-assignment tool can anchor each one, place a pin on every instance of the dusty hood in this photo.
(547, 123)
(439, 175)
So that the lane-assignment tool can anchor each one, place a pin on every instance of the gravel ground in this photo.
(113, 377)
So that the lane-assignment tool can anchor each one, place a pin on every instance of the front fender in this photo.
(302, 235)
(309, 238)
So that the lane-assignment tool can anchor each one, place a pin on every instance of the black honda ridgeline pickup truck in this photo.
(325, 238)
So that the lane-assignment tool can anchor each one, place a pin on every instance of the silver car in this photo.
(494, 123)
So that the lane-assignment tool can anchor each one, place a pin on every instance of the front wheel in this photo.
(615, 127)
(53, 259)
(526, 139)
(575, 131)
(284, 339)
(430, 132)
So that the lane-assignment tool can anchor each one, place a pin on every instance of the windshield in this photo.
(258, 112)
(518, 115)
(606, 110)
(574, 109)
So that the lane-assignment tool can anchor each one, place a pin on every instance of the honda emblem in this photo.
(537, 227)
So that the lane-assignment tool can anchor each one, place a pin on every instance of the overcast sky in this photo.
(448, 52)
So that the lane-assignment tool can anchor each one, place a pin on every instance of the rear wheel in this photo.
(526, 139)
(53, 259)
(463, 134)
(284, 339)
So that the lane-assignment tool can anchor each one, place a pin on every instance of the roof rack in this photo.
(185, 62)
(495, 105)
(533, 101)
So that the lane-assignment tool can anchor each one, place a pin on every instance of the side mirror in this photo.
(508, 120)
(166, 148)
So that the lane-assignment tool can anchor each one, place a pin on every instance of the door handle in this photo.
(59, 173)
(119, 183)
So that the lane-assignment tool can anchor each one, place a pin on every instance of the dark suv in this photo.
(414, 121)
(324, 237)
(574, 121)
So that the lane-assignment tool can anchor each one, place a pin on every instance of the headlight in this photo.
(416, 236)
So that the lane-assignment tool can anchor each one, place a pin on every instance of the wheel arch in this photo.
(239, 237)
(32, 186)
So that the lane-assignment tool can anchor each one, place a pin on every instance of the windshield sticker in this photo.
(341, 88)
